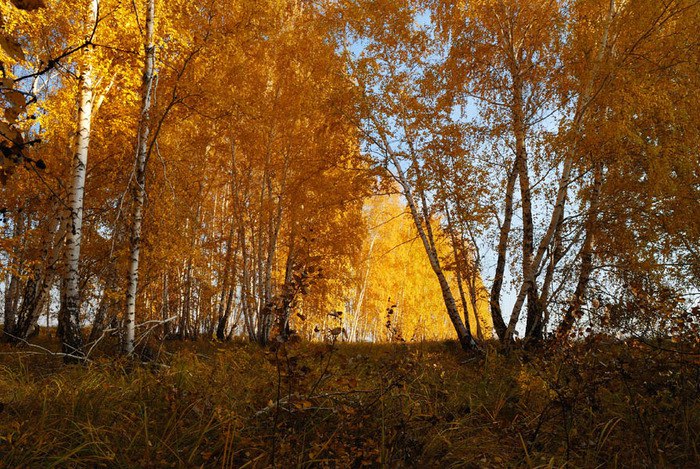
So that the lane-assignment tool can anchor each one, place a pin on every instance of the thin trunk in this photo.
(48, 315)
(288, 292)
(231, 262)
(458, 268)
(495, 298)
(273, 233)
(166, 306)
(10, 312)
(533, 329)
(139, 188)
(426, 236)
(554, 258)
(12, 286)
(197, 311)
(473, 299)
(226, 313)
(245, 287)
(573, 313)
(473, 270)
(37, 289)
(184, 329)
(258, 240)
(361, 298)
(102, 316)
(238, 311)
(221, 320)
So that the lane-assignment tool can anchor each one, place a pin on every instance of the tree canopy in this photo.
(370, 170)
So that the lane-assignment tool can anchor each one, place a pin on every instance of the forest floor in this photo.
(208, 404)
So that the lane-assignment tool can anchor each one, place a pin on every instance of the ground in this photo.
(207, 404)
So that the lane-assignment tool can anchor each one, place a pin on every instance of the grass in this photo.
(209, 404)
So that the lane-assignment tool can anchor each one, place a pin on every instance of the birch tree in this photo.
(139, 187)
(69, 317)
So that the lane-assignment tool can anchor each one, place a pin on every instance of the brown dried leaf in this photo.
(28, 5)
(11, 47)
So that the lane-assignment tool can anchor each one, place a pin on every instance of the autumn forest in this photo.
(347, 233)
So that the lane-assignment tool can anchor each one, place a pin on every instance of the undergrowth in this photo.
(352, 405)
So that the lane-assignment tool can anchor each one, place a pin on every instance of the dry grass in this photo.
(316, 405)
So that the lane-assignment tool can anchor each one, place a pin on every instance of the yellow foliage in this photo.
(396, 272)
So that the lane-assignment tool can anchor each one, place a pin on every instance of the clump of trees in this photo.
(214, 169)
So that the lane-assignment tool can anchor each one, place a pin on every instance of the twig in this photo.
(150, 329)
(47, 351)
(94, 344)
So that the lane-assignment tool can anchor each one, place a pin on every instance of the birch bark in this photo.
(139, 188)
(69, 314)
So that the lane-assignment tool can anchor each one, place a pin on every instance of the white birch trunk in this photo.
(69, 318)
(363, 290)
(139, 190)
(426, 236)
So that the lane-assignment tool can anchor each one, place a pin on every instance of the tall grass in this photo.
(311, 405)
